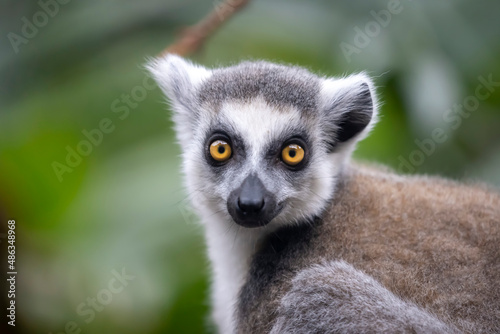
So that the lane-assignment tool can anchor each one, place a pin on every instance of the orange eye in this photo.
(220, 150)
(292, 154)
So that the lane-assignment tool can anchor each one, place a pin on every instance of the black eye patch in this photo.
(235, 142)
(274, 150)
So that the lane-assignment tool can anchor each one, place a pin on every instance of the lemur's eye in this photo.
(220, 150)
(292, 154)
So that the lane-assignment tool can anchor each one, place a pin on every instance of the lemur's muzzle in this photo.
(252, 205)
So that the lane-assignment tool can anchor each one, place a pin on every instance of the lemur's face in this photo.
(259, 162)
(262, 143)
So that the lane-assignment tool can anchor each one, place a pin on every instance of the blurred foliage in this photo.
(123, 205)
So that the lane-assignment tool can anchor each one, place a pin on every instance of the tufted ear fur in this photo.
(349, 109)
(179, 79)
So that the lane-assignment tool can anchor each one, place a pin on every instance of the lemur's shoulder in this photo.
(428, 239)
(418, 201)
(397, 241)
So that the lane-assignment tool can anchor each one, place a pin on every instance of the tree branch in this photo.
(192, 38)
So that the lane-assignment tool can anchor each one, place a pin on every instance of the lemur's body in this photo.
(302, 241)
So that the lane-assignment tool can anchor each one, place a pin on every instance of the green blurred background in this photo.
(123, 207)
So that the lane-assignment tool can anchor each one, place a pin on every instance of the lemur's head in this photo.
(264, 143)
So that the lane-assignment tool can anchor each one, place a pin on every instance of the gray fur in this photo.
(279, 85)
(336, 298)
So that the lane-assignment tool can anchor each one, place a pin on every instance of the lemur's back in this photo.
(431, 242)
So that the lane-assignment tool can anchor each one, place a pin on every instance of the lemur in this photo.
(302, 240)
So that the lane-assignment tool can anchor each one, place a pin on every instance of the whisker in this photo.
(235, 235)
(227, 229)
(216, 212)
(324, 199)
(325, 178)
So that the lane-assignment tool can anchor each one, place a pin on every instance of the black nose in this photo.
(250, 205)
(251, 198)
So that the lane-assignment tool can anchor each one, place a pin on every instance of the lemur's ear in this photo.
(349, 109)
(179, 79)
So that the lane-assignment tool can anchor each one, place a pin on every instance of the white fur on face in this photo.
(260, 124)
